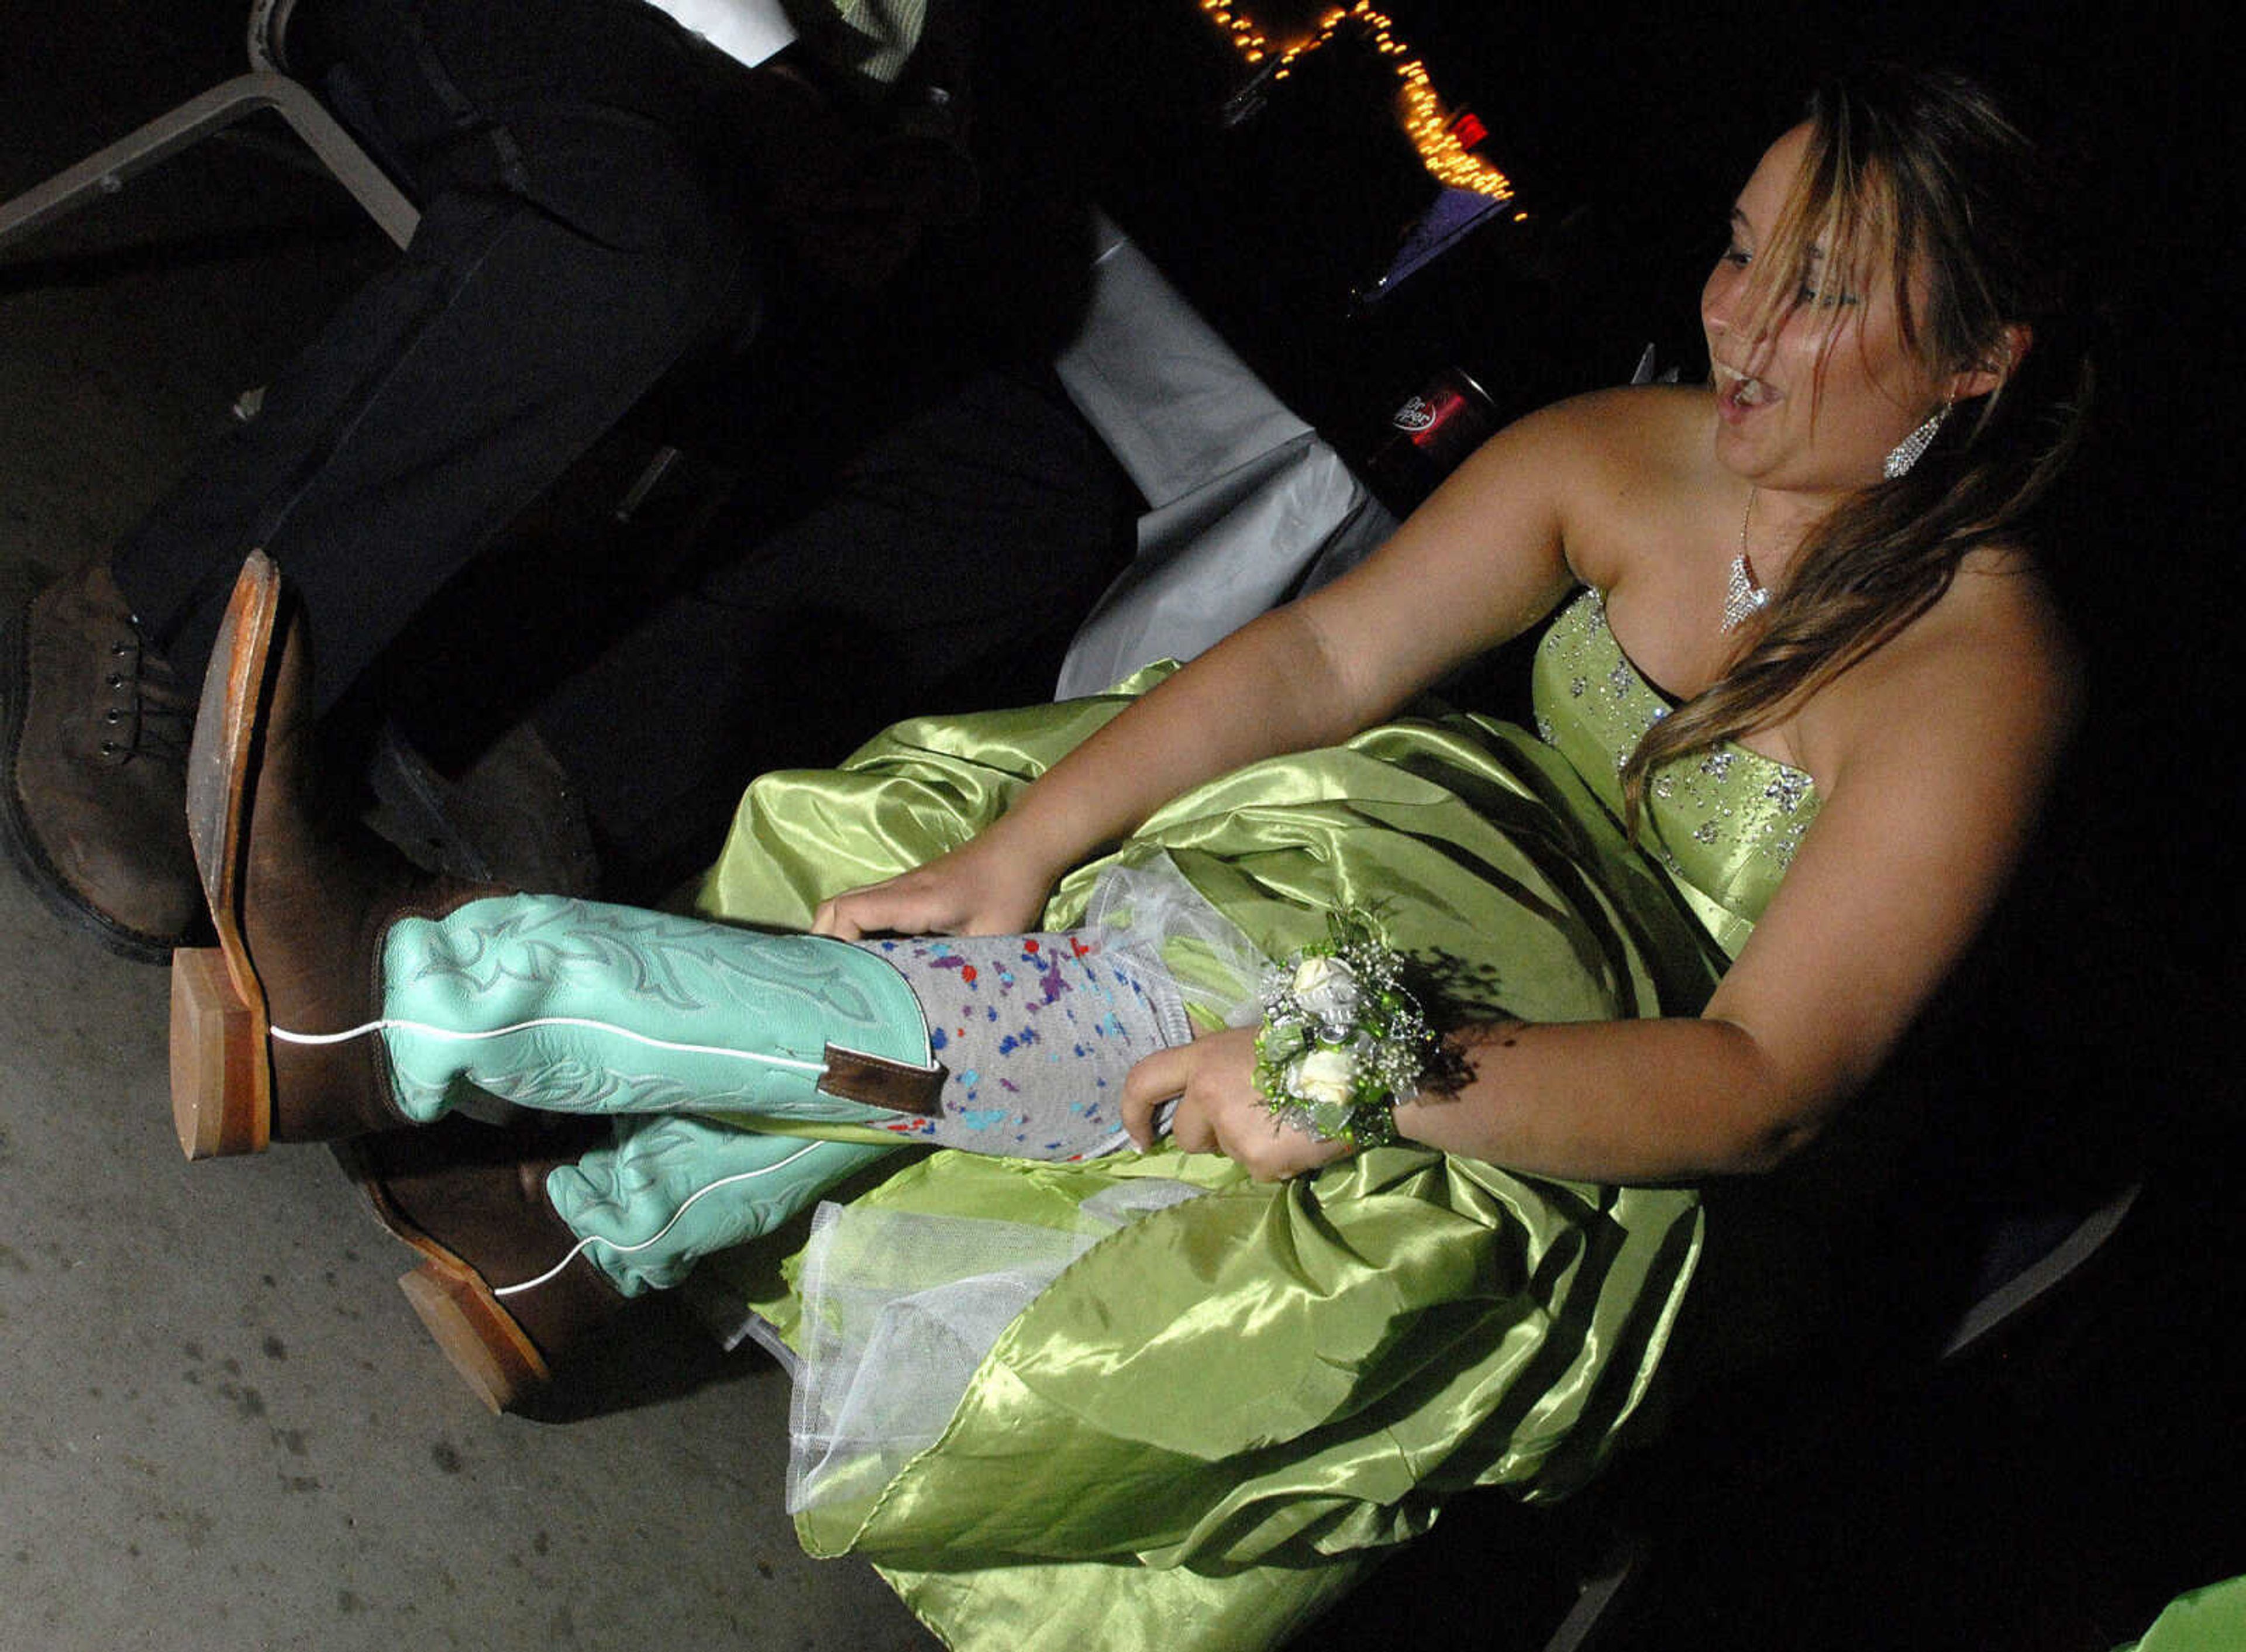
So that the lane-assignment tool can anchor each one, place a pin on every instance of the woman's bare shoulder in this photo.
(1990, 669)
(1619, 461)
(1997, 622)
(1582, 461)
(1659, 426)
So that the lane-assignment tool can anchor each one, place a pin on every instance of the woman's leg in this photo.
(1013, 1045)
(572, 1006)
(327, 940)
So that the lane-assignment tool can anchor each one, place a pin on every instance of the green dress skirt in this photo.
(1217, 1416)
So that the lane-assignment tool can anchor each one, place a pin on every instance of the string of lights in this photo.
(1425, 122)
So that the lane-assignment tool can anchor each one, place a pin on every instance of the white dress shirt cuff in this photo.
(746, 30)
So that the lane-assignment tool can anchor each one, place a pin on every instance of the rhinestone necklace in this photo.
(1743, 597)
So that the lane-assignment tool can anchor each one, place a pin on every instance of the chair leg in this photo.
(107, 171)
(2002, 1305)
(1601, 1588)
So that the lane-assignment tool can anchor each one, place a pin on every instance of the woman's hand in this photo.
(971, 891)
(1219, 1110)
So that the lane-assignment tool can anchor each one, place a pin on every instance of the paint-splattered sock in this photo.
(1036, 1032)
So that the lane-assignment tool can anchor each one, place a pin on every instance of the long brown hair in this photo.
(1925, 162)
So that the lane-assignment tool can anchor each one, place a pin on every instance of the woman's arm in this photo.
(1481, 561)
(1932, 758)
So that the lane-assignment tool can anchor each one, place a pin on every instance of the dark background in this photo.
(2055, 1489)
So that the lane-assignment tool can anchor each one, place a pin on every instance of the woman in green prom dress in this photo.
(1798, 697)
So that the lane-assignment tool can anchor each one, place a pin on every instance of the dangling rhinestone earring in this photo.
(1908, 452)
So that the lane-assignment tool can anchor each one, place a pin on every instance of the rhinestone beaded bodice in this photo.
(1723, 823)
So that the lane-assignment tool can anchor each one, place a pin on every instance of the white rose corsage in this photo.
(1342, 1042)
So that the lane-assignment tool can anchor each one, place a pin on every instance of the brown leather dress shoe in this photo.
(300, 896)
(92, 737)
(472, 1201)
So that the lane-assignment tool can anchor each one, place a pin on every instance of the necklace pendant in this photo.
(1743, 598)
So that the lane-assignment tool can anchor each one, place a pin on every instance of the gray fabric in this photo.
(1246, 504)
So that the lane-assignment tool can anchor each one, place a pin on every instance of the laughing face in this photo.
(1810, 399)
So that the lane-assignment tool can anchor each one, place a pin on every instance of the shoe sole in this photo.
(222, 1070)
(22, 844)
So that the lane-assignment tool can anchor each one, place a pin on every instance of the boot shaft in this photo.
(575, 1006)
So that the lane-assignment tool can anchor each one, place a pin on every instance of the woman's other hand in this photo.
(971, 891)
(1219, 1110)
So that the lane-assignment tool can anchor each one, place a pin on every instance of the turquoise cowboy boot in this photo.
(326, 937)
(523, 1257)
(669, 1192)
(572, 1006)
(674, 1026)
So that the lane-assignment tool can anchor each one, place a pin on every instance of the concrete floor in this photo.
(221, 1425)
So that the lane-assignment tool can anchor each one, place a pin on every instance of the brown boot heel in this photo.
(222, 1085)
(482, 1338)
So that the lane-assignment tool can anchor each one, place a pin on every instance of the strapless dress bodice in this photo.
(1723, 823)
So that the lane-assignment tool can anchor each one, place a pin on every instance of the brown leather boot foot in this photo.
(300, 897)
(464, 1197)
(92, 739)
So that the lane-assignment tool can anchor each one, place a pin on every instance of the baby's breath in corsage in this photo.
(1342, 1041)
